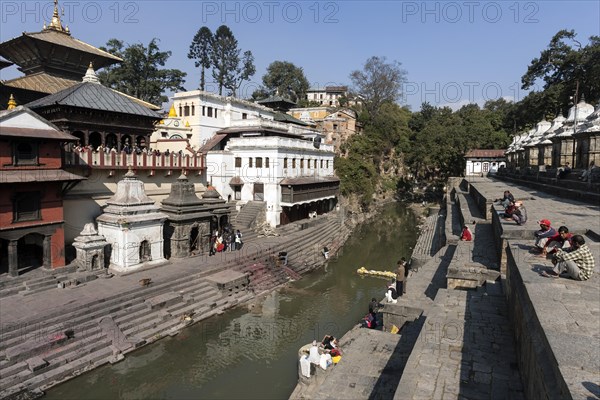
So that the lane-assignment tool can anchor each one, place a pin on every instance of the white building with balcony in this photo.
(286, 166)
(205, 113)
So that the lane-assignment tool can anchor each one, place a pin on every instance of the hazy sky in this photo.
(454, 52)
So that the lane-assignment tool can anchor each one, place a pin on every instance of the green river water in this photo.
(250, 352)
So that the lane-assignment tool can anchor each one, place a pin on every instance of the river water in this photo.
(250, 352)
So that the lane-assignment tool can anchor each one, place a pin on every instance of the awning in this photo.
(236, 181)
(298, 203)
(306, 180)
(38, 175)
(212, 142)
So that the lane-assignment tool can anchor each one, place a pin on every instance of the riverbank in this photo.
(457, 343)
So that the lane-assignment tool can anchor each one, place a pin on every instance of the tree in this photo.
(377, 83)
(225, 57)
(139, 74)
(200, 51)
(567, 69)
(243, 72)
(284, 78)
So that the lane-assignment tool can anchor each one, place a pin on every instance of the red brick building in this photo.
(32, 186)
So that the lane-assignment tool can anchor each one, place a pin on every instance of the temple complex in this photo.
(548, 146)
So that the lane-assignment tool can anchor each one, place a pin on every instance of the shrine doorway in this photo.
(30, 252)
(194, 239)
(145, 251)
(3, 256)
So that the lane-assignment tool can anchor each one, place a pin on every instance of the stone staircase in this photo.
(60, 344)
(248, 213)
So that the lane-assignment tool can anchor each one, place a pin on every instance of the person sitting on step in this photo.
(543, 235)
(562, 240)
(576, 262)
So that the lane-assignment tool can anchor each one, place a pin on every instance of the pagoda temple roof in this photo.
(4, 63)
(96, 97)
(41, 82)
(283, 117)
(56, 51)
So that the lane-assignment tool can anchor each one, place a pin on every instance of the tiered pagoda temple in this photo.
(52, 60)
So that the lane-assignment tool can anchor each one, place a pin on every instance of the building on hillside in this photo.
(484, 161)
(52, 60)
(32, 186)
(329, 96)
(285, 166)
(337, 126)
(206, 113)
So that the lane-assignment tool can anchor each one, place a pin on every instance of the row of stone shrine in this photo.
(574, 140)
(134, 232)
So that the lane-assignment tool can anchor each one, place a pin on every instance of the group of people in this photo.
(126, 149)
(513, 210)
(323, 354)
(571, 257)
(225, 239)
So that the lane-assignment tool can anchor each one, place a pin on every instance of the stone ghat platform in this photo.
(556, 321)
(512, 335)
(51, 334)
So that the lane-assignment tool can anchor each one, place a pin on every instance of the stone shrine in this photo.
(90, 248)
(133, 225)
(191, 219)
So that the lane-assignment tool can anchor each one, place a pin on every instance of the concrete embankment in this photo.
(50, 335)
(513, 334)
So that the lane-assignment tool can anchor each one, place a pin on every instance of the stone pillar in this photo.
(13, 258)
(47, 251)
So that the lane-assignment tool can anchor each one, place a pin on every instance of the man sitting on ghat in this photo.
(577, 262)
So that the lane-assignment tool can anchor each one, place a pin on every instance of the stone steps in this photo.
(77, 366)
(54, 358)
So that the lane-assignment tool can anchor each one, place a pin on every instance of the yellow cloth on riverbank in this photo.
(385, 274)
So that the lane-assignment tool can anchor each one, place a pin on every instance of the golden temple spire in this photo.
(172, 112)
(11, 103)
(55, 24)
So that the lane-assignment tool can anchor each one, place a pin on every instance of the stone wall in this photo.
(539, 368)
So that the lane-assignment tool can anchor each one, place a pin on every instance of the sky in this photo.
(453, 52)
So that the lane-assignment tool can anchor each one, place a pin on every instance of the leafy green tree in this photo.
(567, 67)
(140, 74)
(200, 50)
(285, 78)
(377, 83)
(225, 57)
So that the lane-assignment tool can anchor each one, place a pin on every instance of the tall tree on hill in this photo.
(285, 78)
(566, 66)
(377, 83)
(140, 74)
(200, 52)
(225, 59)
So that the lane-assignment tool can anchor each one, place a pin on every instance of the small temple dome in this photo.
(583, 111)
(211, 193)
